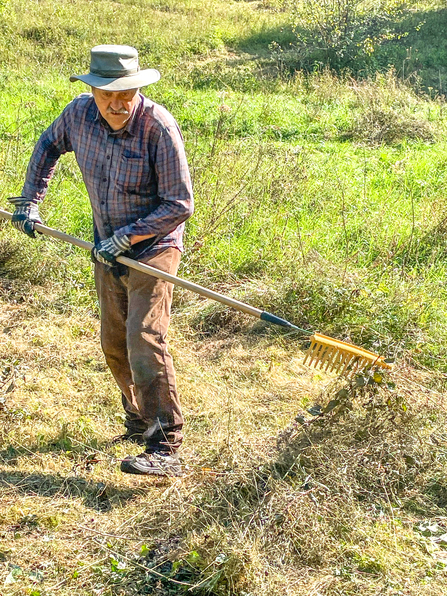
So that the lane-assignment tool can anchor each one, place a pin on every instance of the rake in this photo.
(330, 355)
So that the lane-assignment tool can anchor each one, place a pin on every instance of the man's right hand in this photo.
(26, 214)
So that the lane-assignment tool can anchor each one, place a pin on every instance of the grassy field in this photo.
(320, 196)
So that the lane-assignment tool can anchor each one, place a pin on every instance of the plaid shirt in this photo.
(137, 178)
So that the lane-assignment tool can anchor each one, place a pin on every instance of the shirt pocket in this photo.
(133, 175)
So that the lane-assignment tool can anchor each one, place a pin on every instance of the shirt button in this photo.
(103, 202)
(104, 179)
(108, 157)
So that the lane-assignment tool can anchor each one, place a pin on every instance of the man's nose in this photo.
(116, 104)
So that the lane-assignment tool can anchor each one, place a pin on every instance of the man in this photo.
(131, 155)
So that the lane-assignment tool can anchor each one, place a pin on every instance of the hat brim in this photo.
(134, 81)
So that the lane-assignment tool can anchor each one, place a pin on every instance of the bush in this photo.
(344, 33)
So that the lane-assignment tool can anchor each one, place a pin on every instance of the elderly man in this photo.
(131, 155)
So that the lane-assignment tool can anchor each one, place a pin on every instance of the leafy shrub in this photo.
(344, 33)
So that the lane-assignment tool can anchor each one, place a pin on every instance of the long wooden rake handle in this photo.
(327, 353)
(178, 281)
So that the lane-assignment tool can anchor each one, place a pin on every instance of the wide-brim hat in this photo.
(116, 68)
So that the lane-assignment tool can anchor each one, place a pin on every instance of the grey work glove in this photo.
(106, 251)
(26, 214)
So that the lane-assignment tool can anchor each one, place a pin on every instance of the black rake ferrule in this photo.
(267, 316)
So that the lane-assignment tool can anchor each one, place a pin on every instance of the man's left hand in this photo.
(106, 251)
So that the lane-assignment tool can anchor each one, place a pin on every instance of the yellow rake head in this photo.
(339, 357)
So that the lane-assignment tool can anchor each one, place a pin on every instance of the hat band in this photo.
(110, 74)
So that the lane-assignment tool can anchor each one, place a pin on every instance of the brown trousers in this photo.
(135, 312)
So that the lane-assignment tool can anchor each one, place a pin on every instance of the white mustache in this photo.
(120, 111)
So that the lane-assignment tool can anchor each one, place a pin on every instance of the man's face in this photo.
(116, 107)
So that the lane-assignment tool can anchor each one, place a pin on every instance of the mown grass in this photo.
(320, 197)
(276, 502)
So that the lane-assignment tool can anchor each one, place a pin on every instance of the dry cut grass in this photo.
(276, 499)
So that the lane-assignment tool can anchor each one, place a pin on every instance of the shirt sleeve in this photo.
(174, 188)
(53, 143)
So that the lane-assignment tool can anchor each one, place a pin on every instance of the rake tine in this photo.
(320, 356)
(307, 357)
(316, 353)
(346, 360)
(326, 356)
(338, 361)
(352, 364)
(332, 362)
(333, 365)
(348, 364)
(309, 352)
(329, 358)
(358, 365)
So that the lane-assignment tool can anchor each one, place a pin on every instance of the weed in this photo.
(381, 123)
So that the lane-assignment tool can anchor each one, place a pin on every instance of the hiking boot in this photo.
(158, 463)
(131, 436)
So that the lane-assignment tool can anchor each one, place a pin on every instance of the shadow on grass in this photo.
(417, 50)
(424, 251)
(258, 43)
(62, 443)
(94, 495)
(423, 52)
